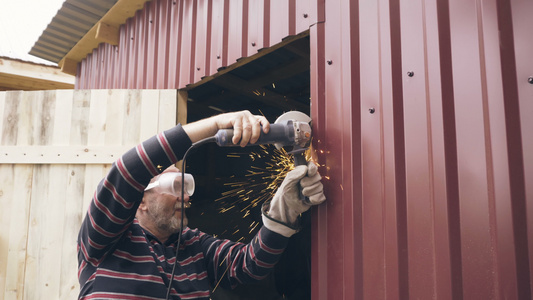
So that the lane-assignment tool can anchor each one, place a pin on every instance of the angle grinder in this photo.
(291, 131)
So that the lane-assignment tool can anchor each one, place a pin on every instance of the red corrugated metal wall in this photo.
(422, 113)
(170, 44)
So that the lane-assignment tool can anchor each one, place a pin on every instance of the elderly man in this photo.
(128, 241)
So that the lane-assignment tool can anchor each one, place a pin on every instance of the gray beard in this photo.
(165, 220)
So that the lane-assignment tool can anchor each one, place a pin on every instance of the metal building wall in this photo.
(422, 119)
(172, 43)
(423, 112)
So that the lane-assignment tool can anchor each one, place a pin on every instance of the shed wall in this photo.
(170, 44)
(421, 111)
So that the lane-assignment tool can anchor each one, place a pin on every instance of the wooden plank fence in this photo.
(55, 146)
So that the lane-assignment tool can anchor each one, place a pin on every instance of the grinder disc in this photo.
(293, 115)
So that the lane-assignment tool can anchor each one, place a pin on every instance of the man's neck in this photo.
(160, 235)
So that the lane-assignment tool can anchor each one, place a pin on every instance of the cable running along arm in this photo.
(193, 146)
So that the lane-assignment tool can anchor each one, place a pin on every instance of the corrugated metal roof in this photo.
(71, 23)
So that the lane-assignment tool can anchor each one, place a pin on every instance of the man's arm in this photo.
(231, 263)
(118, 195)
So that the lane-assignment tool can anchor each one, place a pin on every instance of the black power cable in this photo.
(195, 145)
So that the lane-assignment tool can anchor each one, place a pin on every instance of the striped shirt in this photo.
(118, 259)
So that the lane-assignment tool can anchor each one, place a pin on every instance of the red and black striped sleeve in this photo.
(230, 263)
(118, 195)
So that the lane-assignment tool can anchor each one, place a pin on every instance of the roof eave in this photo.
(104, 30)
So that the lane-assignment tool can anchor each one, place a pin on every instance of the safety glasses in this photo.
(170, 183)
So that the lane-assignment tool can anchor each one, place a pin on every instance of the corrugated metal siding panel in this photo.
(170, 44)
(521, 16)
(186, 53)
(429, 196)
(474, 153)
(337, 238)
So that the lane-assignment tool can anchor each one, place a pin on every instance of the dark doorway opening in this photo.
(273, 81)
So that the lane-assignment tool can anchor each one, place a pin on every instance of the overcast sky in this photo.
(21, 23)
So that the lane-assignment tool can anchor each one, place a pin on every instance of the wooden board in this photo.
(44, 195)
(15, 226)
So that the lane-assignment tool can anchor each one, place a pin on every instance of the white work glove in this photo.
(282, 213)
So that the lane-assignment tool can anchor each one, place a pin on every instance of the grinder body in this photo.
(286, 133)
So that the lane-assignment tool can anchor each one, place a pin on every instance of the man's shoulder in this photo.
(135, 228)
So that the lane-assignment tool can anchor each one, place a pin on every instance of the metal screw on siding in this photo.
(330, 62)
(530, 79)
(198, 69)
(410, 73)
(372, 110)
(305, 15)
(218, 56)
(253, 44)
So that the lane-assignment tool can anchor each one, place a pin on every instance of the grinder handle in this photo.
(282, 134)
(299, 160)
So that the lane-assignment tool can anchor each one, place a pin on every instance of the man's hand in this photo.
(247, 127)
(281, 214)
